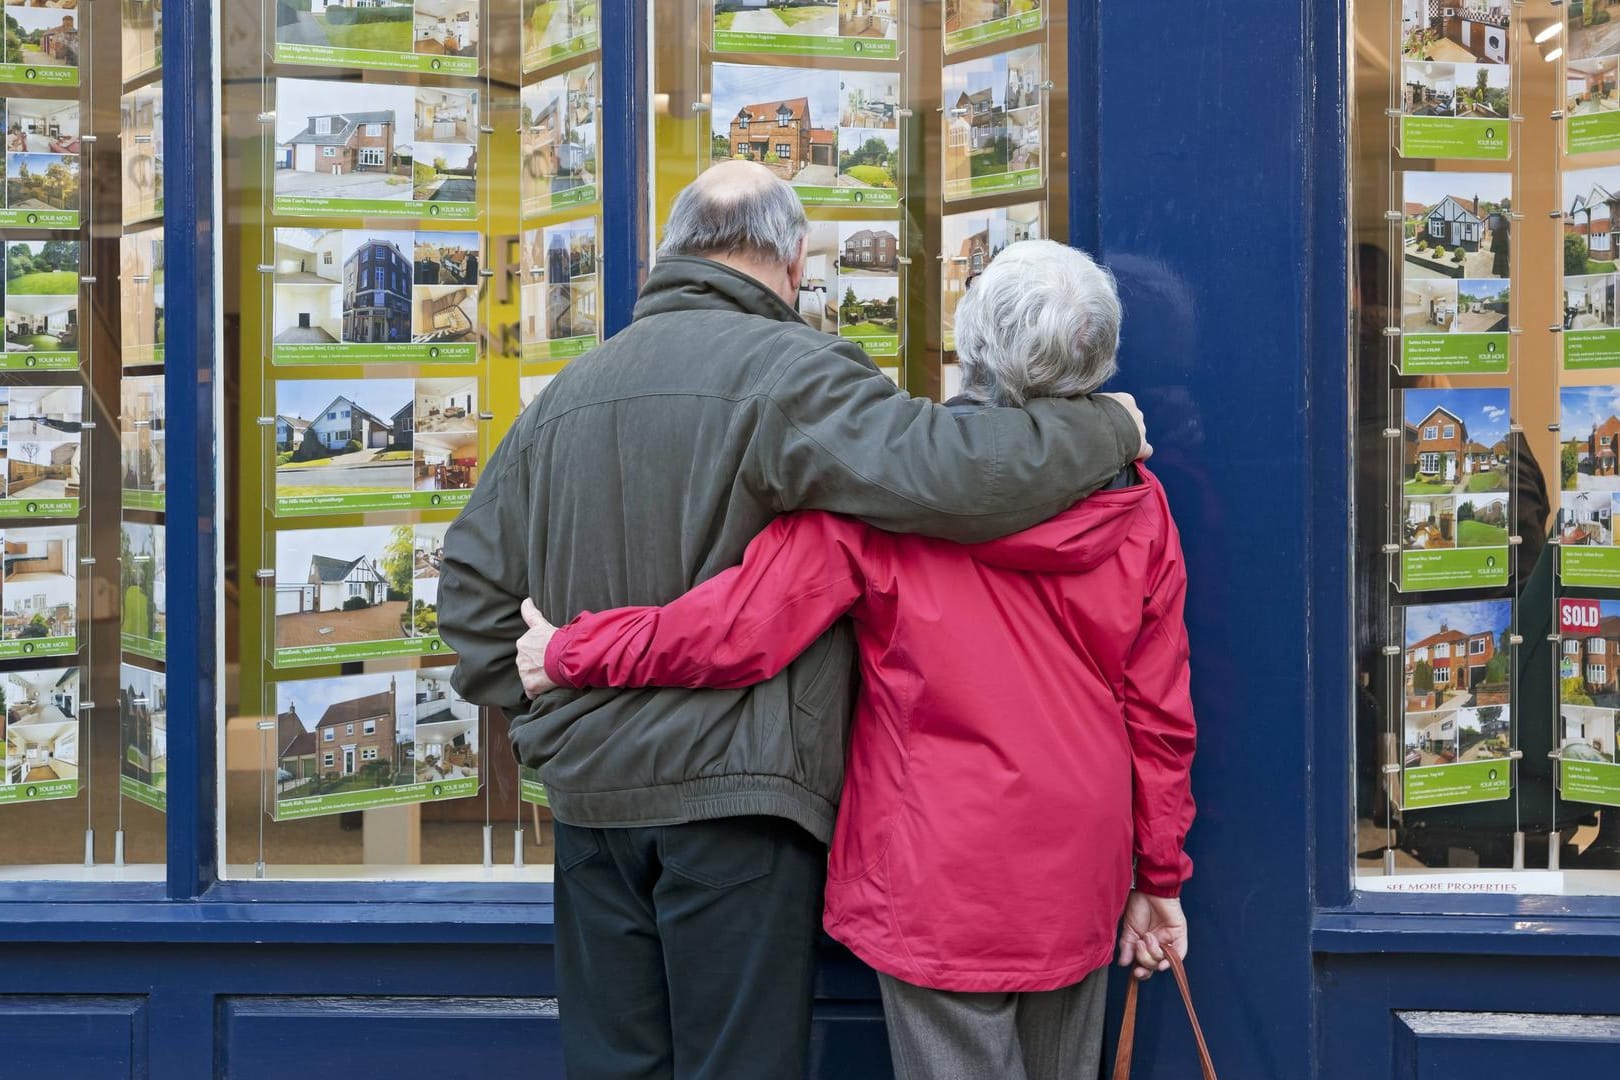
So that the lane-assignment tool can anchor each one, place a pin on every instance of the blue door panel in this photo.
(1475, 1046)
(67, 1037)
(340, 1038)
(849, 1042)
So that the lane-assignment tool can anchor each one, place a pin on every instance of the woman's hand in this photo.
(531, 651)
(1152, 924)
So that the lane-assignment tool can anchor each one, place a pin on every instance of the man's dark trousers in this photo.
(687, 952)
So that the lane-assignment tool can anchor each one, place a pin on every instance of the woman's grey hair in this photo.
(736, 209)
(1042, 321)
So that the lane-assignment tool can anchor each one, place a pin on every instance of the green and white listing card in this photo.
(42, 735)
(1592, 95)
(859, 29)
(344, 296)
(1588, 699)
(40, 594)
(42, 44)
(1455, 110)
(375, 444)
(1452, 326)
(436, 37)
(1590, 431)
(143, 627)
(143, 721)
(44, 429)
(41, 306)
(1455, 519)
(351, 149)
(42, 162)
(971, 24)
(559, 141)
(554, 30)
(994, 114)
(531, 790)
(561, 286)
(1456, 713)
(367, 593)
(360, 742)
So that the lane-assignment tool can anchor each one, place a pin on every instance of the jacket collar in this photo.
(688, 283)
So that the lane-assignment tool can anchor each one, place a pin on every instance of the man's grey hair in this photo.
(1042, 321)
(730, 210)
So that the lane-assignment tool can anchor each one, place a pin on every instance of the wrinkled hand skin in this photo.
(531, 651)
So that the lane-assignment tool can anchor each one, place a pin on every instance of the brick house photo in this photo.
(1589, 425)
(43, 36)
(870, 248)
(1449, 439)
(784, 118)
(352, 733)
(1455, 682)
(377, 271)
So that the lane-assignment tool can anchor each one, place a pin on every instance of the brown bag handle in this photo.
(1127, 1027)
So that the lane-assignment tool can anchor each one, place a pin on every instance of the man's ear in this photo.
(796, 267)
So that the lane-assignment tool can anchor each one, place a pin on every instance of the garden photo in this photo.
(378, 25)
(868, 157)
(42, 181)
(806, 18)
(143, 573)
(427, 562)
(551, 25)
(868, 307)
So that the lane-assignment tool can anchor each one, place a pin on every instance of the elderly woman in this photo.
(1024, 730)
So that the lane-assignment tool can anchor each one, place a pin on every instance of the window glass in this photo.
(1485, 148)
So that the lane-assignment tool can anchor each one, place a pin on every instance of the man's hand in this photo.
(531, 651)
(1129, 403)
(1152, 925)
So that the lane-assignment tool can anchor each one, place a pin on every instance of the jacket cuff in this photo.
(1159, 879)
(1165, 892)
(554, 657)
(1126, 437)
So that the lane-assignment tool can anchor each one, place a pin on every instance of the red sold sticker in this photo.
(1577, 616)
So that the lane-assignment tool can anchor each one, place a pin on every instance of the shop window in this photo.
(1483, 298)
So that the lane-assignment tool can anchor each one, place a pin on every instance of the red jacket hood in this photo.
(1080, 538)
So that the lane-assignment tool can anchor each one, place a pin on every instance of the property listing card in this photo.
(1588, 699)
(978, 22)
(44, 429)
(357, 593)
(142, 31)
(141, 127)
(359, 742)
(1592, 98)
(41, 42)
(862, 29)
(559, 141)
(40, 594)
(1456, 72)
(1455, 511)
(835, 136)
(143, 628)
(561, 294)
(994, 122)
(556, 29)
(344, 296)
(970, 242)
(140, 293)
(375, 444)
(143, 437)
(41, 300)
(42, 163)
(1456, 262)
(348, 149)
(143, 722)
(435, 36)
(1589, 425)
(41, 734)
(1591, 329)
(1456, 708)
(851, 283)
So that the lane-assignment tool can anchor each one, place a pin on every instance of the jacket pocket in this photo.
(820, 713)
(724, 853)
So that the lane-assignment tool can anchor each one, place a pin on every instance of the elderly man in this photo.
(692, 824)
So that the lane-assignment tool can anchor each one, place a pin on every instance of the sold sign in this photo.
(1577, 616)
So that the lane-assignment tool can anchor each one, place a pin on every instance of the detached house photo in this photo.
(348, 444)
(1460, 233)
(345, 734)
(342, 586)
(1589, 425)
(1457, 32)
(41, 588)
(42, 726)
(1449, 440)
(970, 241)
(339, 140)
(308, 287)
(783, 118)
(868, 248)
